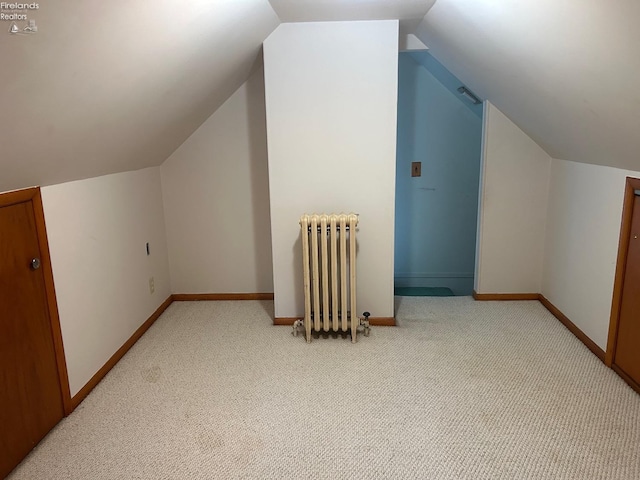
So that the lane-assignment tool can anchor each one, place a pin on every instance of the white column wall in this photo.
(331, 101)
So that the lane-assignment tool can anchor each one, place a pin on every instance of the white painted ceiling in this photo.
(566, 71)
(341, 10)
(110, 86)
(113, 86)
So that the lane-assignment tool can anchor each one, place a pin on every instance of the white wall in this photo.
(216, 200)
(583, 230)
(513, 208)
(331, 97)
(98, 230)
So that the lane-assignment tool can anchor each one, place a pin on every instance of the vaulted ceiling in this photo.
(342, 10)
(112, 86)
(564, 71)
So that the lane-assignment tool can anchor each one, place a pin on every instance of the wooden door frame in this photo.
(631, 185)
(33, 195)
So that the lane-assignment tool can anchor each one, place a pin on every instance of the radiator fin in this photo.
(329, 272)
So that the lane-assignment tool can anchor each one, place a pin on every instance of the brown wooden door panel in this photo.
(627, 356)
(31, 398)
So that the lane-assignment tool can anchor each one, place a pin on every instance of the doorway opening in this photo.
(437, 179)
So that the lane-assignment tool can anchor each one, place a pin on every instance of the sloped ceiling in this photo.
(566, 72)
(113, 86)
(110, 86)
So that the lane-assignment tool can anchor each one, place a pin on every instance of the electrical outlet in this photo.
(152, 286)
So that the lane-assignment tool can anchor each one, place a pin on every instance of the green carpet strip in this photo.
(423, 292)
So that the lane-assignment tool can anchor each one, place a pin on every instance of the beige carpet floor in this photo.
(459, 390)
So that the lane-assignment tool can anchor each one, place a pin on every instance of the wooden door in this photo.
(31, 396)
(627, 352)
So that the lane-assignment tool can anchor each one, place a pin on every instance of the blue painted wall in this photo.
(436, 213)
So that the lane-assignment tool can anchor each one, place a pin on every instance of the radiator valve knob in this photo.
(365, 324)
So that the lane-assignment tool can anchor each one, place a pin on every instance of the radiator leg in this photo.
(354, 329)
(307, 329)
(297, 324)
